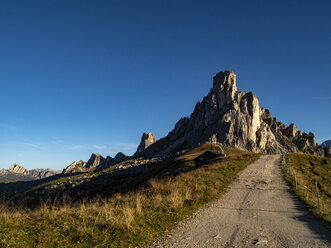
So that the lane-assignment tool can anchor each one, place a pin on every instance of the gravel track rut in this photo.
(257, 211)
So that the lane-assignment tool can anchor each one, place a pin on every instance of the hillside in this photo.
(305, 173)
(6, 176)
(121, 177)
(140, 211)
(257, 210)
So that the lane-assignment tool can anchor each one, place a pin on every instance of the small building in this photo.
(206, 156)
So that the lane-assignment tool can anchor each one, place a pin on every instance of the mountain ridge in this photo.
(19, 173)
(95, 162)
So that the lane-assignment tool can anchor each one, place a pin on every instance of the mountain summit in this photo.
(233, 118)
(19, 173)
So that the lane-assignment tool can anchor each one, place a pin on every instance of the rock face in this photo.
(233, 118)
(19, 173)
(147, 139)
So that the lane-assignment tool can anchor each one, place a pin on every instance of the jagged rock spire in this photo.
(147, 139)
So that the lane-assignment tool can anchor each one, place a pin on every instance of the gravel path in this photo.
(257, 211)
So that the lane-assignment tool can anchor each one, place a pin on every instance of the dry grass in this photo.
(123, 220)
(308, 171)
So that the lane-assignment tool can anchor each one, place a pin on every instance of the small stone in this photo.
(259, 241)
(217, 236)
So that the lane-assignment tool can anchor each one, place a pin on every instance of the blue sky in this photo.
(78, 77)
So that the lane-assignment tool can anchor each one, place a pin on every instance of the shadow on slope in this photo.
(104, 183)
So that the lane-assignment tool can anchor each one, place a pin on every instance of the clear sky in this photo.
(78, 77)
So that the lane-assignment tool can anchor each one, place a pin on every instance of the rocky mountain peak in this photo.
(18, 169)
(76, 166)
(119, 157)
(146, 140)
(19, 173)
(224, 86)
(96, 160)
(233, 118)
(225, 81)
(95, 163)
(225, 116)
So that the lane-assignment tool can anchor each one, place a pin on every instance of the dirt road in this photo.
(257, 211)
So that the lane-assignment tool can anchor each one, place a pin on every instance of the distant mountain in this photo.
(98, 162)
(19, 173)
(326, 143)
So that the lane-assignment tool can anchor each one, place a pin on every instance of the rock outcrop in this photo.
(76, 166)
(19, 173)
(234, 118)
(147, 139)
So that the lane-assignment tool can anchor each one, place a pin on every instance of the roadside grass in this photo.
(309, 170)
(132, 219)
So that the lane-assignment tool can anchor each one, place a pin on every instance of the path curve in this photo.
(257, 211)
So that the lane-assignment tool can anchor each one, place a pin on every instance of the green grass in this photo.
(309, 169)
(126, 220)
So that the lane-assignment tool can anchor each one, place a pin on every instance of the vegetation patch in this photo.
(310, 178)
(132, 219)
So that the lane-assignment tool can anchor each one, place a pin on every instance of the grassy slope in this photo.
(131, 219)
(308, 170)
